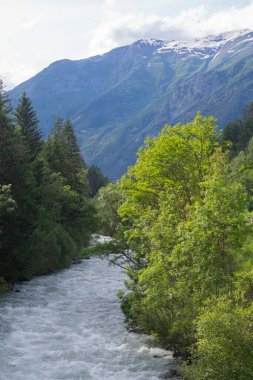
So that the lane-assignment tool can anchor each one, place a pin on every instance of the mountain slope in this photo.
(118, 98)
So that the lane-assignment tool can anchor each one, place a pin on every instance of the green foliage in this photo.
(46, 215)
(180, 220)
(17, 172)
(7, 203)
(242, 168)
(7, 208)
(240, 132)
(184, 224)
(96, 179)
(224, 343)
(107, 203)
(63, 156)
(26, 119)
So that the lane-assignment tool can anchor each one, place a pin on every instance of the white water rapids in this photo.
(68, 325)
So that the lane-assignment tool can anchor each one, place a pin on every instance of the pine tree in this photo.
(26, 119)
(14, 171)
(53, 150)
(7, 136)
(72, 146)
(45, 214)
(75, 167)
(12, 153)
(63, 155)
(57, 128)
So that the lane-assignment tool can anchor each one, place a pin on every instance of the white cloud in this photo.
(119, 29)
(29, 24)
(6, 81)
(35, 33)
(110, 3)
(13, 73)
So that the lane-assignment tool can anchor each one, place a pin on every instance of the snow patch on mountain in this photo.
(150, 42)
(204, 48)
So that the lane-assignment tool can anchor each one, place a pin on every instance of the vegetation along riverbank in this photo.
(181, 218)
(180, 221)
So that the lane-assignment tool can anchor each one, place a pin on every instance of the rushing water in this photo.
(69, 325)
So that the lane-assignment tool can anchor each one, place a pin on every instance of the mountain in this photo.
(118, 98)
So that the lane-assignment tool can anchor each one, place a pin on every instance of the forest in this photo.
(46, 210)
(180, 219)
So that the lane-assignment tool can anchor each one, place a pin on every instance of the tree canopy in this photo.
(46, 214)
(184, 222)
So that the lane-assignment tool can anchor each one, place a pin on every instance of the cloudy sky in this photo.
(34, 33)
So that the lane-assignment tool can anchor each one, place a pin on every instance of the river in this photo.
(68, 325)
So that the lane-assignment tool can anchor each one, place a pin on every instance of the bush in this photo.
(224, 349)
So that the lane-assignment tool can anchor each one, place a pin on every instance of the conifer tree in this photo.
(12, 152)
(72, 146)
(57, 128)
(53, 150)
(7, 137)
(14, 171)
(63, 155)
(26, 119)
(45, 214)
(75, 167)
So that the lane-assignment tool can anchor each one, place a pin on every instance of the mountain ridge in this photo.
(118, 98)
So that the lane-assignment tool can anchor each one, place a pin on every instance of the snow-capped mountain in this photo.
(120, 97)
(204, 48)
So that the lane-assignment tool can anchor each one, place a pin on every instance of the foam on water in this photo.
(69, 325)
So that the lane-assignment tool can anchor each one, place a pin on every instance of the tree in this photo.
(63, 155)
(75, 168)
(46, 216)
(12, 153)
(7, 205)
(224, 342)
(14, 171)
(96, 179)
(26, 119)
(108, 201)
(53, 151)
(184, 219)
(240, 131)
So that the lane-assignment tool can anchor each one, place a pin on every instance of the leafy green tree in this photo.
(108, 201)
(184, 221)
(224, 343)
(167, 175)
(7, 205)
(242, 169)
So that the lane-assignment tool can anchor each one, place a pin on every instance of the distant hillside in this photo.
(118, 98)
